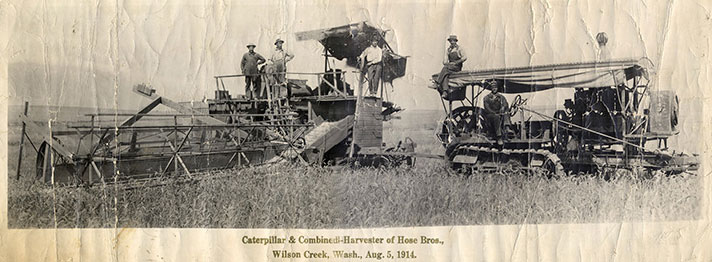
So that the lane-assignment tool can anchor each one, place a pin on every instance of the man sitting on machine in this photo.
(496, 111)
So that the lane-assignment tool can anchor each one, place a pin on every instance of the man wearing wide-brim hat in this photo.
(603, 53)
(454, 58)
(250, 62)
(279, 60)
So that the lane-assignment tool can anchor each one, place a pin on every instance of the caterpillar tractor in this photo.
(615, 120)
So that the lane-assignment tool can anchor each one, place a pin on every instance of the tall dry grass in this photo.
(312, 197)
(294, 196)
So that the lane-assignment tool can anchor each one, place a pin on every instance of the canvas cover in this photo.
(543, 77)
(349, 41)
(346, 41)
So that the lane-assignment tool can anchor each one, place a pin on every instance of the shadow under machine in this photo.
(615, 120)
(330, 123)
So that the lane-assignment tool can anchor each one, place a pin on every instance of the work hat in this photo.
(493, 83)
(278, 40)
(251, 44)
(602, 38)
(452, 37)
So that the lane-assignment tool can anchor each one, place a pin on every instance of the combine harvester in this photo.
(328, 124)
(614, 115)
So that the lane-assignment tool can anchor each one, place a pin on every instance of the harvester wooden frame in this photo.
(107, 145)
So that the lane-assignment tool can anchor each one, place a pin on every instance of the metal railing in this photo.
(268, 80)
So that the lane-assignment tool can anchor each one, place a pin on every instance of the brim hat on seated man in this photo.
(279, 40)
(452, 38)
(251, 44)
(602, 38)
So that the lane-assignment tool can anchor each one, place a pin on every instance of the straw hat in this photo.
(602, 38)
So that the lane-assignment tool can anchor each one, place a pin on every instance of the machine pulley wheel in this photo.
(47, 165)
(464, 120)
(516, 103)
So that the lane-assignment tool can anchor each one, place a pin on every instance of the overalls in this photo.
(444, 76)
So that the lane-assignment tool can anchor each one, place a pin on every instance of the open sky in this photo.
(91, 53)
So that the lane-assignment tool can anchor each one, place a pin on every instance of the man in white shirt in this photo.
(371, 62)
(279, 60)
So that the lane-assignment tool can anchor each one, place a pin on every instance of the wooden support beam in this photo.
(96, 169)
(180, 160)
(175, 151)
(229, 161)
(47, 163)
(333, 87)
(131, 120)
(359, 101)
(22, 143)
(246, 159)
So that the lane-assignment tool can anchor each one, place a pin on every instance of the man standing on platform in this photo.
(250, 62)
(454, 59)
(279, 60)
(371, 62)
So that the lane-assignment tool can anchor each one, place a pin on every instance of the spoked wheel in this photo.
(464, 120)
(516, 103)
(49, 163)
(43, 163)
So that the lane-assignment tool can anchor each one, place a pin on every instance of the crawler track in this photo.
(474, 156)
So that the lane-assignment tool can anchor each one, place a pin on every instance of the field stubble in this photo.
(293, 196)
(313, 197)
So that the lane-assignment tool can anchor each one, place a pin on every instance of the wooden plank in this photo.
(133, 119)
(371, 120)
(326, 140)
(180, 160)
(141, 113)
(370, 129)
(200, 116)
(22, 143)
(371, 134)
(186, 110)
(368, 141)
(368, 137)
(335, 135)
(370, 124)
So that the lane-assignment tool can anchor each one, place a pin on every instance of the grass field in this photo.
(294, 196)
(314, 197)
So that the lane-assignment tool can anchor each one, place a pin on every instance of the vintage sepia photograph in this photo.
(343, 115)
